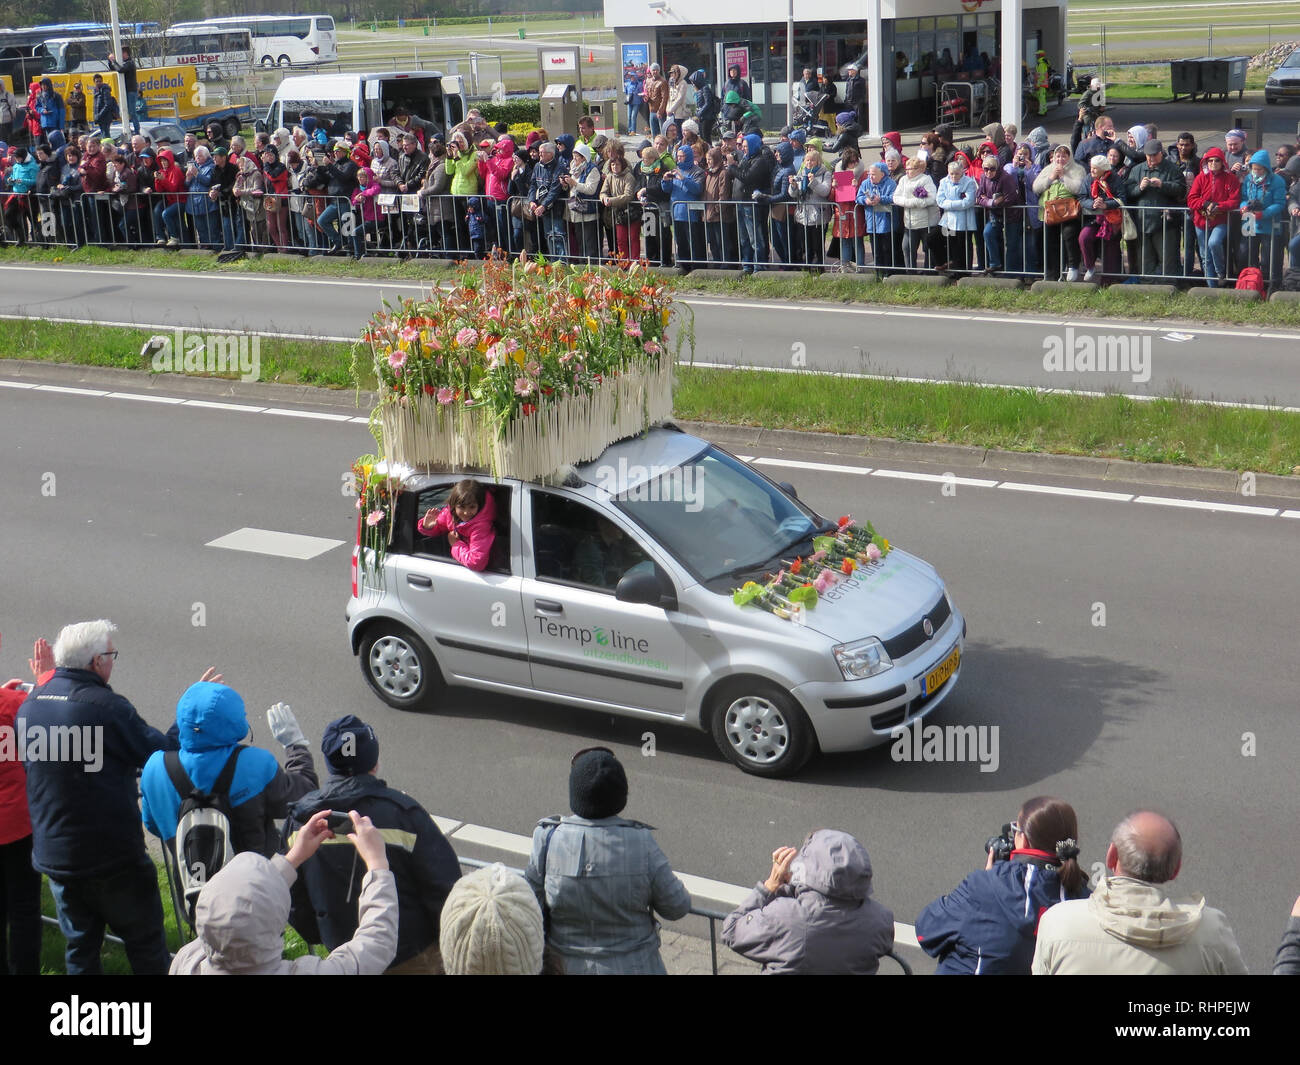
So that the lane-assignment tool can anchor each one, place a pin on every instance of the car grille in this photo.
(911, 638)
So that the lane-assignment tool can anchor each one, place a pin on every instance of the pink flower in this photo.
(445, 396)
(533, 369)
(374, 517)
(494, 313)
(467, 337)
(397, 359)
(511, 345)
(824, 580)
(434, 345)
(409, 334)
(493, 355)
(523, 386)
(632, 329)
(816, 556)
(873, 552)
(651, 348)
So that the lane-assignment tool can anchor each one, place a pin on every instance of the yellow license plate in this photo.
(938, 677)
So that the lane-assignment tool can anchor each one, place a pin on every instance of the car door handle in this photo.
(548, 606)
(416, 580)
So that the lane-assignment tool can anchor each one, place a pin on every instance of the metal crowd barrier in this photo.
(713, 916)
(732, 234)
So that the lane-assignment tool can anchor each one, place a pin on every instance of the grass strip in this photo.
(1176, 431)
(1118, 301)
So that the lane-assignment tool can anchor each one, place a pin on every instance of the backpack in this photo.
(1251, 278)
(1291, 280)
(202, 843)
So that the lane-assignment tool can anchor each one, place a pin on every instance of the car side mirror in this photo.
(260, 126)
(788, 489)
(653, 589)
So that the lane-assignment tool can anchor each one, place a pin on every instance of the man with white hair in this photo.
(84, 745)
(1135, 923)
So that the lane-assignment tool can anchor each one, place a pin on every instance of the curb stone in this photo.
(1240, 295)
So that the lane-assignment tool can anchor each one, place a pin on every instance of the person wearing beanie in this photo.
(326, 896)
(601, 877)
(211, 725)
(492, 926)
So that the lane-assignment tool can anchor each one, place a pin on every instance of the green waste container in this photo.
(426, 29)
(523, 34)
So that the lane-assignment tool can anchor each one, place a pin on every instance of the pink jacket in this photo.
(476, 535)
(498, 169)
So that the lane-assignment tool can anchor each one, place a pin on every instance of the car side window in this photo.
(438, 546)
(575, 544)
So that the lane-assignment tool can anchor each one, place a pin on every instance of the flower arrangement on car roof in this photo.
(523, 369)
(843, 555)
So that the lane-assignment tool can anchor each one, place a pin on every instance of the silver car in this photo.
(613, 591)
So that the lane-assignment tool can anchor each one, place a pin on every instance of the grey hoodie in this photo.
(242, 913)
(823, 921)
(1134, 928)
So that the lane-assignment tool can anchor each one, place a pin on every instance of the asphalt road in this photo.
(1236, 364)
(1154, 707)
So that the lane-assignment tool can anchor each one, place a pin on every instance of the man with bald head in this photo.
(1135, 923)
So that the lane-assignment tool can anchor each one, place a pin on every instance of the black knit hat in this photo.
(350, 746)
(597, 785)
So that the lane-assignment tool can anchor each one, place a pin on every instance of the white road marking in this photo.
(270, 542)
(830, 467)
(936, 478)
(72, 391)
(1051, 489)
(827, 467)
(210, 405)
(144, 398)
(1202, 504)
(309, 414)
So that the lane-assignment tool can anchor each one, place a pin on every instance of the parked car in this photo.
(614, 591)
(1284, 82)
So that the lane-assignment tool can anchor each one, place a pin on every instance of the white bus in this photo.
(217, 53)
(282, 40)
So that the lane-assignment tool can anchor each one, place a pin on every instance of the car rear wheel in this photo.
(399, 667)
(761, 729)
(232, 127)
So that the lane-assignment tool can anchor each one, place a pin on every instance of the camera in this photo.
(340, 823)
(1001, 846)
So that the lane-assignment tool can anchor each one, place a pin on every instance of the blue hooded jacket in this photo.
(880, 218)
(211, 722)
(1271, 192)
(780, 189)
(685, 192)
(988, 924)
(564, 149)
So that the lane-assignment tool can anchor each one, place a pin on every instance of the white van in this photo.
(342, 102)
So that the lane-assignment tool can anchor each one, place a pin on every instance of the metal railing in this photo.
(1163, 243)
(713, 916)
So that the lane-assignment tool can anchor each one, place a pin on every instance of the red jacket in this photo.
(170, 180)
(15, 823)
(476, 535)
(1222, 189)
(497, 170)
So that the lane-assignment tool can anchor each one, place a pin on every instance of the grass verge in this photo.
(1170, 431)
(1118, 301)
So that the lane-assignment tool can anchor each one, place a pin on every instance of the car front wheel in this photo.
(399, 667)
(761, 729)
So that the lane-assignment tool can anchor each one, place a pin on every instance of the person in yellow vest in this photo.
(1041, 77)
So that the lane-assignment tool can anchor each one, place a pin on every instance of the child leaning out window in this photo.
(467, 521)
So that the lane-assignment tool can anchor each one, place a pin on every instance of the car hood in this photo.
(881, 599)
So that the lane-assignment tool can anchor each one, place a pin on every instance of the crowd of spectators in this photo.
(704, 188)
(586, 904)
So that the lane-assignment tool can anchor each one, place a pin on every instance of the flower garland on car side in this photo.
(799, 584)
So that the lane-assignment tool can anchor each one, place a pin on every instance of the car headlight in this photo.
(862, 658)
(1271, 81)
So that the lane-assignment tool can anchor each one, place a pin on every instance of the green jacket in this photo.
(464, 175)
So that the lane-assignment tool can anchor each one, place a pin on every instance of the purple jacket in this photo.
(1002, 183)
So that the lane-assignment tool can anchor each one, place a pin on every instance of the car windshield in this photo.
(720, 518)
(1293, 60)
